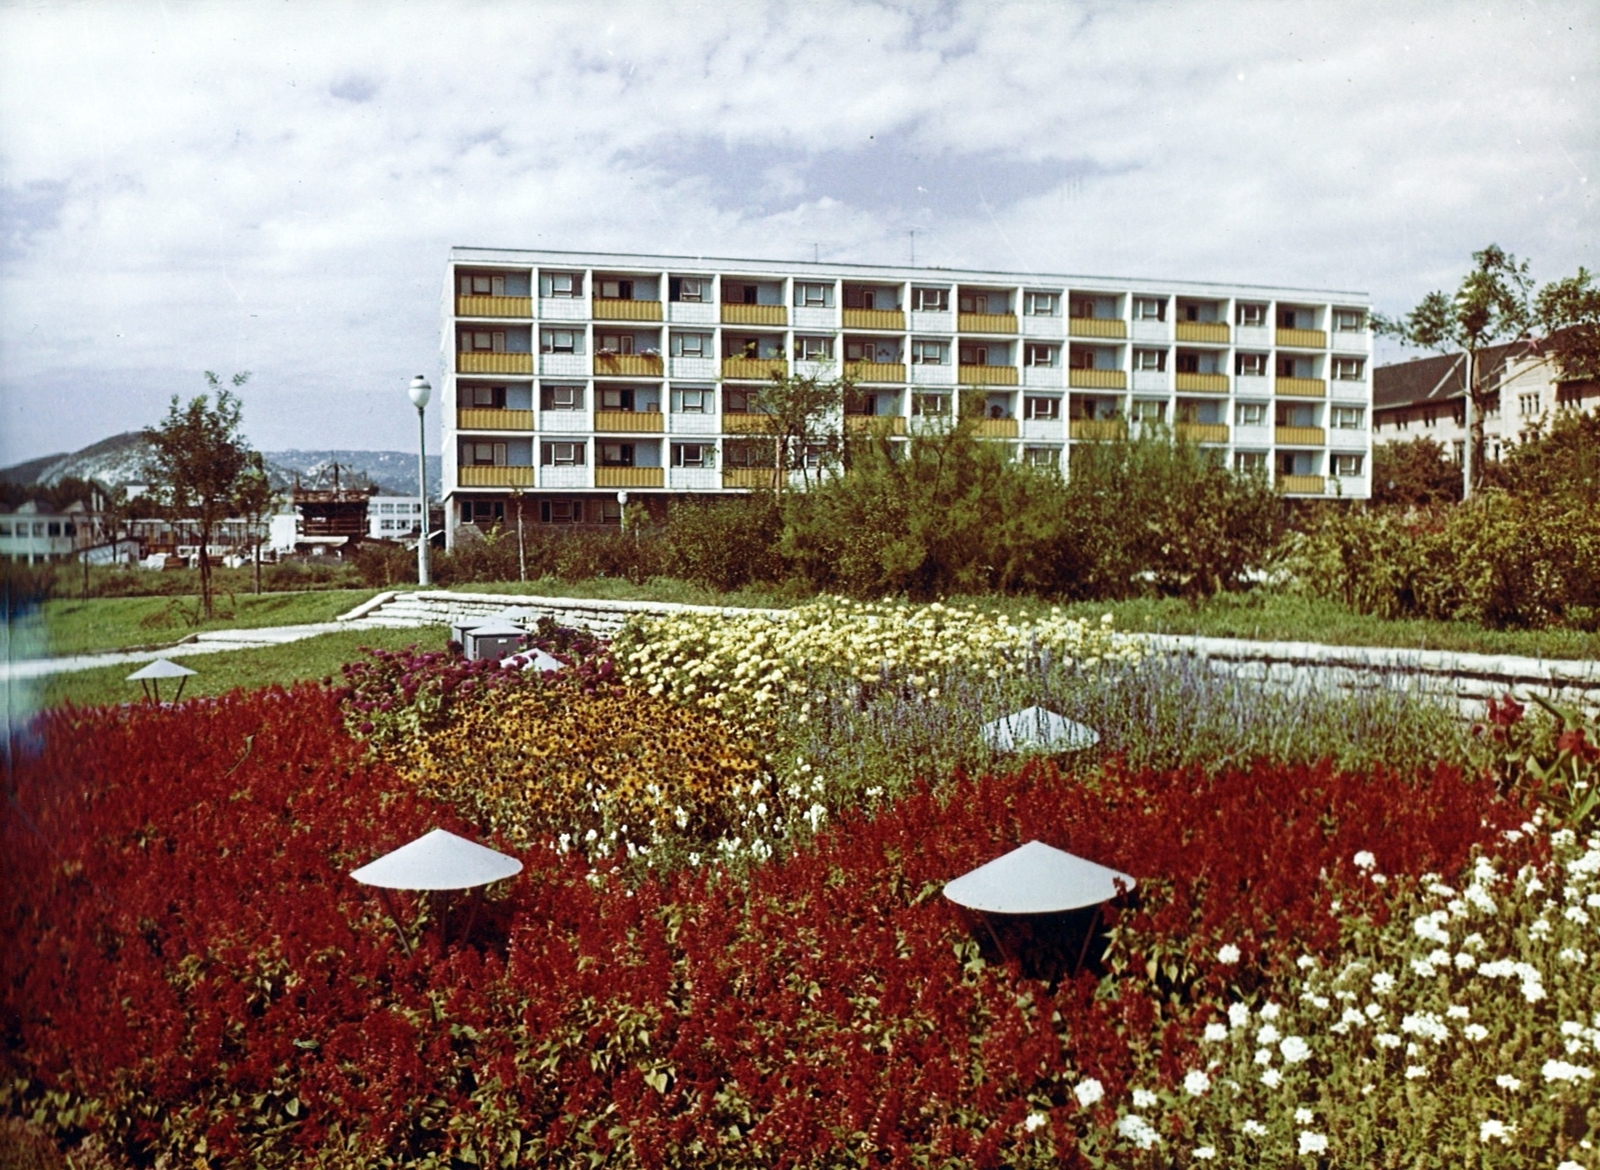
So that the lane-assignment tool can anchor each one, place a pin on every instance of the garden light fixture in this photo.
(1037, 729)
(419, 394)
(435, 862)
(149, 678)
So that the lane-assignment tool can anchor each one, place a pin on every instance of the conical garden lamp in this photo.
(435, 863)
(149, 678)
(1038, 729)
(1039, 898)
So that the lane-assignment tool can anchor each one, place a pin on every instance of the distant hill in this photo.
(121, 460)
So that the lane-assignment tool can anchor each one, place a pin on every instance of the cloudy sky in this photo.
(273, 187)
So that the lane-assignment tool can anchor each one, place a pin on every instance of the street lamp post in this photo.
(420, 392)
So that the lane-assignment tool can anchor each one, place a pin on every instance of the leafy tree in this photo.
(1417, 474)
(1568, 311)
(804, 417)
(198, 456)
(1561, 463)
(253, 497)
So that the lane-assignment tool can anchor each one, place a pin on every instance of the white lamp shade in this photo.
(420, 392)
(1038, 729)
(1036, 879)
(160, 668)
(439, 860)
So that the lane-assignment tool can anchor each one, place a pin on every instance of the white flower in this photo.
(1386, 1040)
(1088, 1091)
(1228, 954)
(1560, 1070)
(1458, 1011)
(1569, 1164)
(1271, 1078)
(1238, 1015)
(1138, 1131)
(1427, 1025)
(1306, 962)
(1304, 1116)
(1507, 1081)
(1035, 1121)
(1464, 961)
(1144, 1099)
(1494, 1128)
(1253, 1128)
(1382, 983)
(1295, 1050)
(1263, 1056)
(1196, 1083)
(1215, 1032)
(1365, 860)
(1270, 1011)
(1413, 1071)
(1203, 1153)
(1572, 955)
(1267, 1035)
(1313, 1143)
(1373, 1011)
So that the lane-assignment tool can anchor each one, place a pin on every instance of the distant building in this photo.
(394, 517)
(36, 534)
(1426, 398)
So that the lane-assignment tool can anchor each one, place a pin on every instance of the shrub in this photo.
(723, 544)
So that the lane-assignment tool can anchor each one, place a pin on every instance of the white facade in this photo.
(570, 376)
(394, 517)
(31, 534)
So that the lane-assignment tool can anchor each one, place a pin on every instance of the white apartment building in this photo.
(573, 376)
(394, 517)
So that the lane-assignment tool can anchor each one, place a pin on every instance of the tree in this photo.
(1417, 474)
(197, 458)
(253, 500)
(804, 419)
(1568, 311)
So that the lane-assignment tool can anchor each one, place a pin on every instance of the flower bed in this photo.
(194, 977)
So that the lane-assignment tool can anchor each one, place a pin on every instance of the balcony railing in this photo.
(481, 419)
(629, 477)
(1097, 428)
(607, 309)
(1096, 327)
(760, 369)
(1097, 379)
(1212, 332)
(635, 365)
(1203, 383)
(1203, 432)
(629, 421)
(988, 375)
(874, 319)
(495, 476)
(996, 428)
(986, 322)
(494, 363)
(1301, 387)
(1298, 436)
(1303, 339)
(750, 477)
(1301, 484)
(875, 424)
(749, 424)
(875, 371)
(494, 306)
(754, 315)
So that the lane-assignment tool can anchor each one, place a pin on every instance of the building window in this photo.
(686, 288)
(930, 405)
(561, 284)
(482, 341)
(974, 355)
(1345, 466)
(1043, 355)
(1348, 418)
(1042, 456)
(815, 349)
(739, 294)
(484, 454)
(930, 353)
(1149, 309)
(616, 454)
(561, 397)
(1251, 365)
(813, 296)
(1349, 321)
(560, 341)
(691, 401)
(1430, 417)
(737, 401)
(1150, 360)
(615, 343)
(930, 300)
(616, 290)
(1042, 304)
(981, 302)
(691, 345)
(1251, 314)
(616, 399)
(692, 454)
(561, 511)
(1041, 408)
(561, 454)
(485, 397)
(1250, 414)
(1347, 369)
(1148, 410)
(483, 286)
(1528, 404)
(1250, 462)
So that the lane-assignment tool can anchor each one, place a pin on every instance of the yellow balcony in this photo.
(1301, 387)
(875, 371)
(1203, 432)
(996, 428)
(748, 424)
(629, 421)
(629, 477)
(986, 322)
(1303, 484)
(754, 315)
(1096, 327)
(479, 419)
(1097, 428)
(1303, 338)
(1298, 436)
(875, 424)
(988, 375)
(494, 306)
(628, 365)
(1213, 332)
(1203, 383)
(761, 369)
(607, 309)
(874, 319)
(1097, 379)
(494, 363)
(750, 477)
(495, 476)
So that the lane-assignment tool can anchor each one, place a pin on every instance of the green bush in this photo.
(723, 544)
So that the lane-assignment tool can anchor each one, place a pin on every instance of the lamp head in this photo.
(622, 499)
(420, 392)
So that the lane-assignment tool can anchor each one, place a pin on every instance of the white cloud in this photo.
(274, 187)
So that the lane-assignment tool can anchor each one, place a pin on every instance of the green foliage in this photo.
(1417, 474)
(1569, 311)
(804, 416)
(1557, 753)
(723, 544)
(1561, 463)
